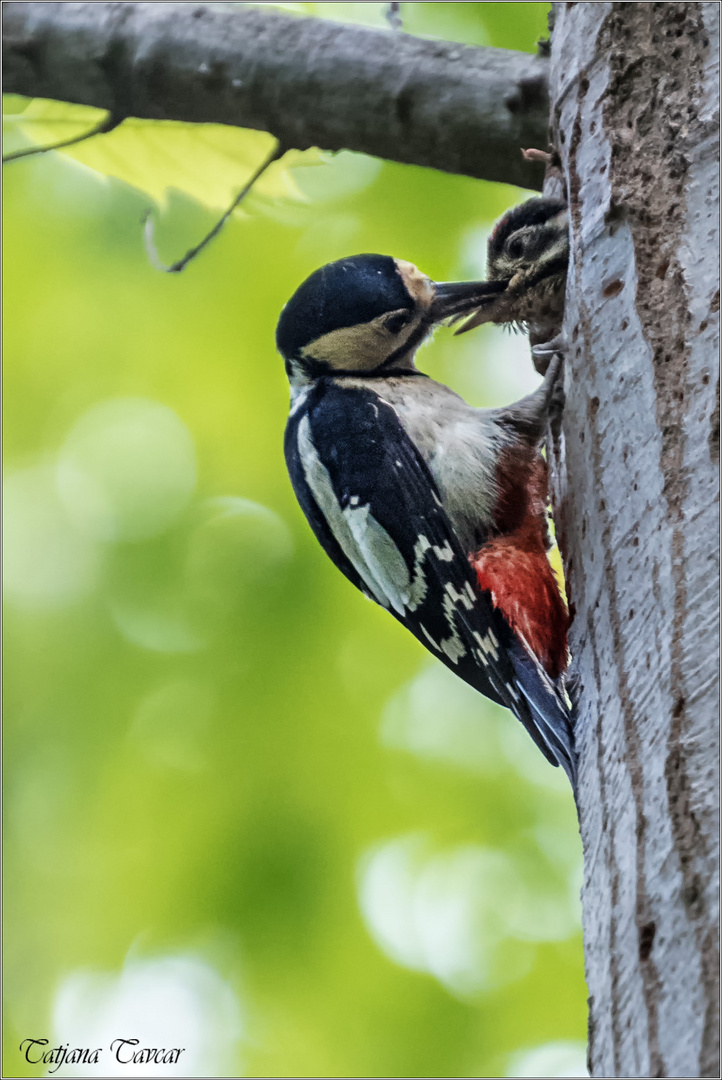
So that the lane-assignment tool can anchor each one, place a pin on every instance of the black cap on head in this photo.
(532, 212)
(343, 293)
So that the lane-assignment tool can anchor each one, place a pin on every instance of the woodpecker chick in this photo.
(529, 250)
(431, 507)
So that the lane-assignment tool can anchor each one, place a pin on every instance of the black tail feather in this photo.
(546, 716)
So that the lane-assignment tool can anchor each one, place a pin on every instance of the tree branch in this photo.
(308, 82)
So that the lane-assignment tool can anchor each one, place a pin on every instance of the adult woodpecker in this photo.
(431, 507)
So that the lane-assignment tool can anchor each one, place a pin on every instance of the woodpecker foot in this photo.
(542, 353)
(531, 416)
(553, 381)
(549, 361)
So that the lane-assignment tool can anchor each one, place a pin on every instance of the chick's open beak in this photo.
(453, 299)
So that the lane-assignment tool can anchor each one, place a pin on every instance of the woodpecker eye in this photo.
(515, 247)
(397, 321)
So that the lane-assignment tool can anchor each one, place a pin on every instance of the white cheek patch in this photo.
(351, 348)
(359, 348)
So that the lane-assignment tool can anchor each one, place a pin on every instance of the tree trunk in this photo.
(634, 91)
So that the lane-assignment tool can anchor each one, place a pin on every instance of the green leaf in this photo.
(209, 162)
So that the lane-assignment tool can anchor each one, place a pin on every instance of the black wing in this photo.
(375, 508)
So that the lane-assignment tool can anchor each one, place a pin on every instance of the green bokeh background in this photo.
(240, 799)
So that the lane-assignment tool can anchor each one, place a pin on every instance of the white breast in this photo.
(460, 444)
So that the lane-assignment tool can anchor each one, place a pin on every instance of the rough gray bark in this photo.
(634, 92)
(307, 81)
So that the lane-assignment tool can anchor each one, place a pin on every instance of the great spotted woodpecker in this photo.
(528, 252)
(434, 509)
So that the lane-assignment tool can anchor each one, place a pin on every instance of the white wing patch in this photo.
(373, 553)
(452, 646)
(418, 586)
(349, 531)
(488, 646)
(382, 564)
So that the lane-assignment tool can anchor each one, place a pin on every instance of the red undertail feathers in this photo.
(515, 570)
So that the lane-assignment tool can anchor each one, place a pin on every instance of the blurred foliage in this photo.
(246, 812)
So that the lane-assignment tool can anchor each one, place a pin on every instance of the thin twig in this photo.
(101, 128)
(176, 267)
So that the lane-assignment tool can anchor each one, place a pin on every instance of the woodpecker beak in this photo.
(452, 299)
